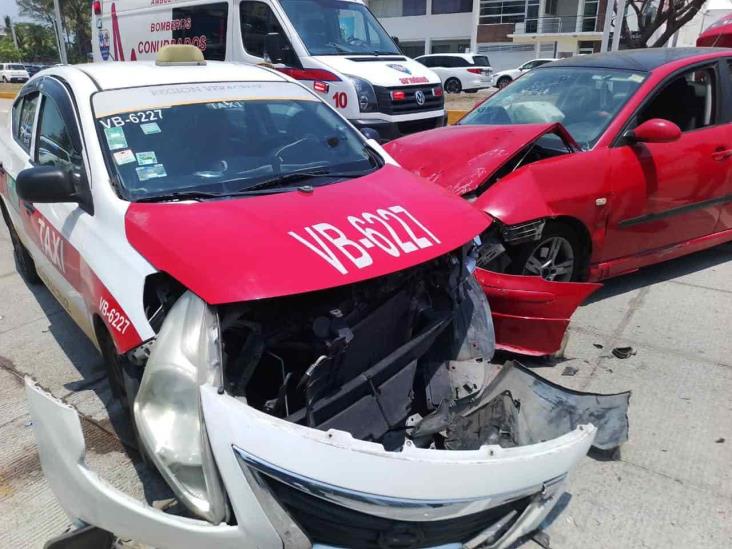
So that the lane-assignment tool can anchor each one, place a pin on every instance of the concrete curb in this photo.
(454, 116)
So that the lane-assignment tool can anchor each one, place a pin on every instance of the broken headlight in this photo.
(167, 408)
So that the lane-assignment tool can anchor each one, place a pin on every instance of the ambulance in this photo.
(335, 47)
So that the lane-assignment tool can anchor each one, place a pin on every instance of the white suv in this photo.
(13, 72)
(460, 71)
(501, 79)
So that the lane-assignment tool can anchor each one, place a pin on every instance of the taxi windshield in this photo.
(209, 140)
(337, 27)
(583, 99)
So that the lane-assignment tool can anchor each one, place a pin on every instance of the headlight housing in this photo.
(167, 408)
(365, 94)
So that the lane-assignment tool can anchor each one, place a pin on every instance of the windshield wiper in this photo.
(202, 195)
(179, 195)
(296, 176)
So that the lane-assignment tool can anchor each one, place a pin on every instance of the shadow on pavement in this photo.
(662, 272)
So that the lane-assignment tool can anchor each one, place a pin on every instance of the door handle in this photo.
(722, 154)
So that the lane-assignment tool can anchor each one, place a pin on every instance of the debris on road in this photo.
(569, 371)
(623, 352)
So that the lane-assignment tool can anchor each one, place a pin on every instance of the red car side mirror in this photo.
(655, 130)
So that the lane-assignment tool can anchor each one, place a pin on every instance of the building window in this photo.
(398, 8)
(589, 19)
(412, 49)
(506, 11)
(451, 6)
(450, 46)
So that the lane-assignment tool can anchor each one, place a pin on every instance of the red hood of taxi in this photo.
(248, 248)
(460, 158)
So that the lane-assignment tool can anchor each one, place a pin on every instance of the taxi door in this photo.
(55, 141)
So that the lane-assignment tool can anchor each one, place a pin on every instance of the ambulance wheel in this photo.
(453, 85)
(23, 261)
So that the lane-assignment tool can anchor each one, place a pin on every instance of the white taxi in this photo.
(288, 316)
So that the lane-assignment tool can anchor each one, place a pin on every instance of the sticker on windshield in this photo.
(150, 127)
(150, 172)
(115, 138)
(147, 158)
(124, 157)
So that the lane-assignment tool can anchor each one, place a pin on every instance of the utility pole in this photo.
(605, 44)
(59, 26)
(618, 27)
(12, 31)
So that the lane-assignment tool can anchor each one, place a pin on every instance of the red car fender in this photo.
(530, 314)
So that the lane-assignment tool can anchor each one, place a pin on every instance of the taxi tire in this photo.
(116, 364)
(24, 263)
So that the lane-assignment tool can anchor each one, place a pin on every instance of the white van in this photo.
(337, 47)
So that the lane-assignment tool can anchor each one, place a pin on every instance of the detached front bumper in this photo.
(274, 471)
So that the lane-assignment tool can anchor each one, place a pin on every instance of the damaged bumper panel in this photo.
(293, 486)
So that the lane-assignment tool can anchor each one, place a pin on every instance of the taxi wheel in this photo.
(453, 85)
(116, 365)
(23, 260)
(557, 256)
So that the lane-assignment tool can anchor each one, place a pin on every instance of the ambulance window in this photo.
(23, 132)
(203, 26)
(54, 146)
(258, 20)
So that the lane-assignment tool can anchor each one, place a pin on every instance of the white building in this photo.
(508, 31)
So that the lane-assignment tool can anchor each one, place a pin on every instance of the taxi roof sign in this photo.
(180, 54)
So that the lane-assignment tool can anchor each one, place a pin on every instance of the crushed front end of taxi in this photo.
(363, 415)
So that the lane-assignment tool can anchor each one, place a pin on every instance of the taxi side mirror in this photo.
(49, 184)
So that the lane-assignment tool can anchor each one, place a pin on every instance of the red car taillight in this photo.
(475, 71)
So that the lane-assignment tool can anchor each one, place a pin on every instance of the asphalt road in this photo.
(671, 485)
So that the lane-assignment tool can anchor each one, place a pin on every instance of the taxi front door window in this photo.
(54, 146)
(23, 131)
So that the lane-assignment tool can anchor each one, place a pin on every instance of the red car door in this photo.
(667, 193)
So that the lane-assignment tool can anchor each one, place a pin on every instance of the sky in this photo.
(8, 7)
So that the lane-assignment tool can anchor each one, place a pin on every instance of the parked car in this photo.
(33, 68)
(290, 319)
(467, 72)
(13, 72)
(501, 79)
(594, 166)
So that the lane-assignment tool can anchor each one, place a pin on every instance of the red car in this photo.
(596, 165)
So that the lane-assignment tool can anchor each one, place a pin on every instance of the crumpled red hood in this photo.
(460, 158)
(248, 248)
